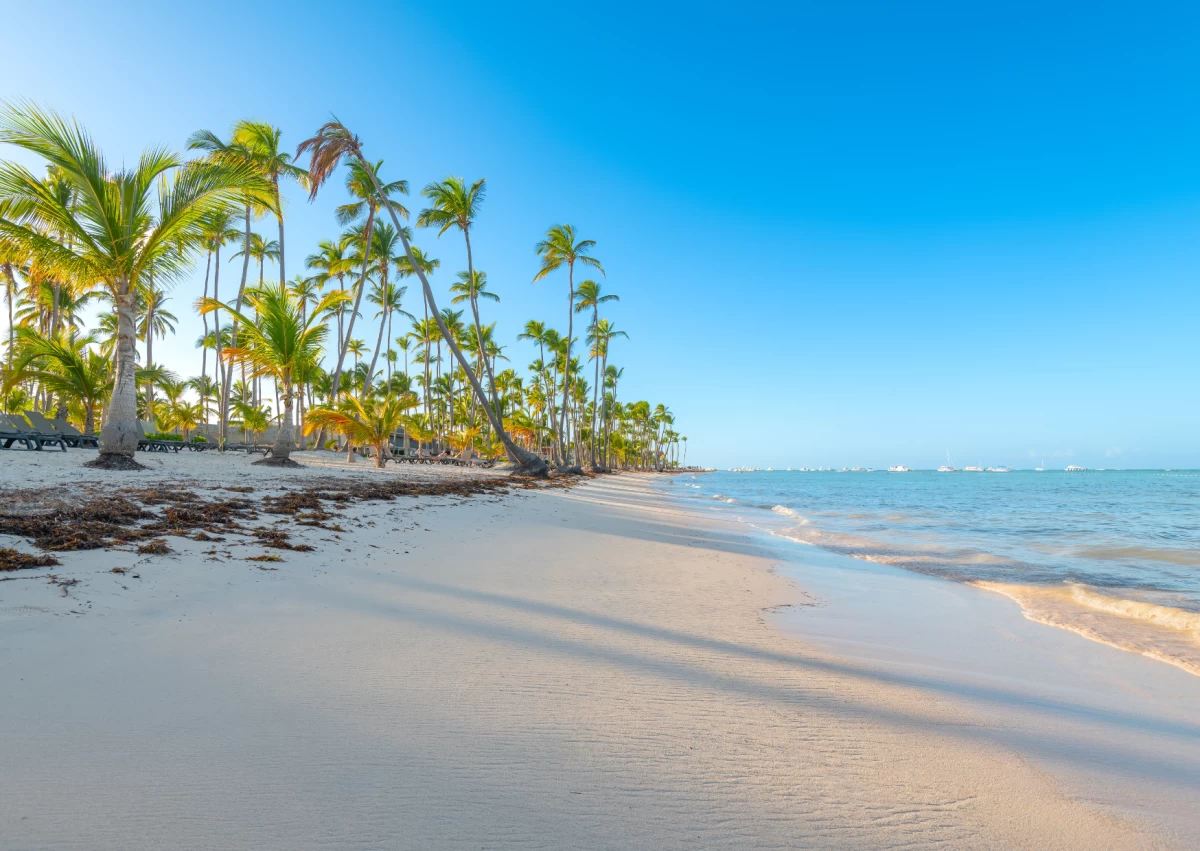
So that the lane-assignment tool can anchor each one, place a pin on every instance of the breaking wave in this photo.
(1158, 632)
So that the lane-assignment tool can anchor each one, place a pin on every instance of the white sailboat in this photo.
(1042, 468)
(899, 468)
(948, 467)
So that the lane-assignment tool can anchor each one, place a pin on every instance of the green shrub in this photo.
(162, 435)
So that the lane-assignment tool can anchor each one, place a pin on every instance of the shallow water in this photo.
(1112, 555)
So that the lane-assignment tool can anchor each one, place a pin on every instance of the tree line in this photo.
(330, 353)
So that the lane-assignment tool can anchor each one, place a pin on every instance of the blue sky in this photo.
(842, 233)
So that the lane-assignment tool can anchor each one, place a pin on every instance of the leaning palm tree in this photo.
(560, 248)
(283, 345)
(334, 142)
(123, 225)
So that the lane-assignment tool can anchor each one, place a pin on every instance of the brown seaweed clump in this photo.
(11, 559)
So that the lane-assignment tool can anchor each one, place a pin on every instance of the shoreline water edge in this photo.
(1135, 590)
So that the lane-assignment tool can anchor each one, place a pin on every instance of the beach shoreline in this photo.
(594, 667)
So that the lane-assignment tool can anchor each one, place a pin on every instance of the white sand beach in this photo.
(592, 667)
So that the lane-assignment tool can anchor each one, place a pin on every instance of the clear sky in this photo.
(852, 233)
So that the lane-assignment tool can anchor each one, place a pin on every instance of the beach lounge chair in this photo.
(10, 435)
(23, 426)
(146, 444)
(73, 436)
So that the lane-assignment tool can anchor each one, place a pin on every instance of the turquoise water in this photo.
(1136, 530)
(1105, 553)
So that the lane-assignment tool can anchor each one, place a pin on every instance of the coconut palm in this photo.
(283, 346)
(261, 141)
(64, 364)
(560, 248)
(157, 321)
(124, 225)
(386, 295)
(590, 297)
(366, 421)
(454, 204)
(362, 184)
(216, 231)
(328, 147)
(255, 200)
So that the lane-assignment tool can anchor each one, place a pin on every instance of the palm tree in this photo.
(282, 346)
(454, 204)
(216, 230)
(386, 295)
(258, 199)
(10, 256)
(560, 248)
(362, 185)
(590, 297)
(372, 421)
(328, 263)
(206, 390)
(332, 143)
(261, 250)
(602, 333)
(156, 322)
(65, 365)
(358, 348)
(471, 287)
(118, 231)
(261, 140)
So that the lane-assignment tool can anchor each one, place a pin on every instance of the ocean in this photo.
(1111, 555)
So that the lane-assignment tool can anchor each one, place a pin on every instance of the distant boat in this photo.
(999, 469)
(1074, 469)
(770, 469)
(948, 467)
(899, 468)
(1042, 468)
(972, 469)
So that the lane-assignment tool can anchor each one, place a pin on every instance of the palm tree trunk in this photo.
(10, 292)
(475, 315)
(233, 334)
(596, 388)
(562, 423)
(362, 285)
(279, 205)
(217, 384)
(284, 437)
(204, 343)
(383, 292)
(120, 434)
(150, 359)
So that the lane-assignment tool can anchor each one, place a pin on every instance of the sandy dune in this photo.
(584, 668)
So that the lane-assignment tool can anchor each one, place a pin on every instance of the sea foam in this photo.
(1159, 632)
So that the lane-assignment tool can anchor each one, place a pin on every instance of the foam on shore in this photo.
(1158, 632)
